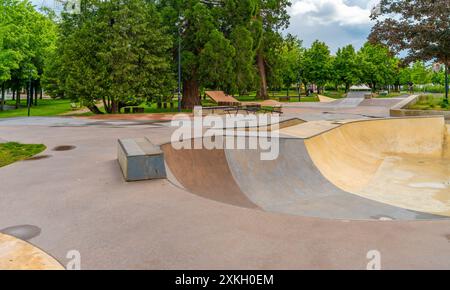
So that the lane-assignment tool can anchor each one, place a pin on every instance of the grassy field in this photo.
(393, 95)
(11, 152)
(293, 94)
(430, 102)
(51, 107)
(45, 107)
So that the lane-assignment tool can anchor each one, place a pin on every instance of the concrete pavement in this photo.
(80, 201)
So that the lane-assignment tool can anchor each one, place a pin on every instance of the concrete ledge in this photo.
(140, 160)
(400, 110)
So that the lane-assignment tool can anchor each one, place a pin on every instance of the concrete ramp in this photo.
(402, 162)
(381, 169)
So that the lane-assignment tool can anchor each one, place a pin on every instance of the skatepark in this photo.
(392, 169)
(348, 180)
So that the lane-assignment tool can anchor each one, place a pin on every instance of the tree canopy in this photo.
(27, 37)
(113, 51)
(418, 27)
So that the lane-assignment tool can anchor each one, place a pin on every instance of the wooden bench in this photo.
(134, 110)
(140, 159)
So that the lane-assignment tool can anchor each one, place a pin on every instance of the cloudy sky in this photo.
(336, 22)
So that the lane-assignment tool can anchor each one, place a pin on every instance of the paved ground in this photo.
(79, 201)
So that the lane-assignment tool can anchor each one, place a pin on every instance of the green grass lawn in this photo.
(11, 152)
(430, 102)
(392, 95)
(275, 95)
(44, 108)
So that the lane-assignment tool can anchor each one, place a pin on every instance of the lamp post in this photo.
(179, 62)
(299, 85)
(29, 97)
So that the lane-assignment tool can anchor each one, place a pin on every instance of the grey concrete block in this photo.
(140, 160)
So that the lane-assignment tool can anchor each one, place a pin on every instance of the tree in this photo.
(117, 52)
(273, 16)
(418, 27)
(346, 67)
(317, 65)
(420, 74)
(26, 37)
(378, 66)
(291, 56)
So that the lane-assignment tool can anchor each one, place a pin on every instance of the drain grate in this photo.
(23, 232)
(64, 148)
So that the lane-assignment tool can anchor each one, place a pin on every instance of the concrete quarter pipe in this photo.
(395, 169)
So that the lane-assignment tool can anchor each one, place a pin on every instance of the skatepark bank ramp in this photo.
(393, 169)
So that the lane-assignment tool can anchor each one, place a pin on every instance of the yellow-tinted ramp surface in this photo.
(16, 254)
(400, 162)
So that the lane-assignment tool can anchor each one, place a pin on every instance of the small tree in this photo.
(317, 64)
(346, 67)
(291, 54)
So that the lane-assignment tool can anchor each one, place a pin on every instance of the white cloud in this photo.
(340, 12)
(336, 22)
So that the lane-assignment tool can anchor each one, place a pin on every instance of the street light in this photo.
(180, 25)
(29, 97)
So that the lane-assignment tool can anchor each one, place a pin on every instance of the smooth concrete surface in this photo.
(16, 254)
(80, 201)
(238, 176)
(400, 162)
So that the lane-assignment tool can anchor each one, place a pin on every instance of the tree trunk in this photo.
(36, 93)
(94, 109)
(18, 98)
(191, 95)
(262, 92)
(106, 105)
(2, 101)
(40, 92)
(114, 106)
(13, 94)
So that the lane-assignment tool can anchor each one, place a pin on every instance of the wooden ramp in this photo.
(222, 99)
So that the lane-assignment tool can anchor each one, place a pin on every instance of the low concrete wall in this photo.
(400, 110)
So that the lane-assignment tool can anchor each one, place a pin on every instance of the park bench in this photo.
(140, 159)
(134, 110)
(285, 99)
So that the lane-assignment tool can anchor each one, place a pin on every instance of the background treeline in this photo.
(27, 38)
(125, 52)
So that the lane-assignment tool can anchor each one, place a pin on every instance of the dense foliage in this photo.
(418, 27)
(119, 53)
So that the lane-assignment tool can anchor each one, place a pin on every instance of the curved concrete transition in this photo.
(16, 254)
(385, 169)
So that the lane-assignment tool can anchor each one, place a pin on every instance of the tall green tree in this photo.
(291, 57)
(273, 17)
(378, 66)
(25, 40)
(317, 64)
(117, 52)
(418, 27)
(346, 67)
